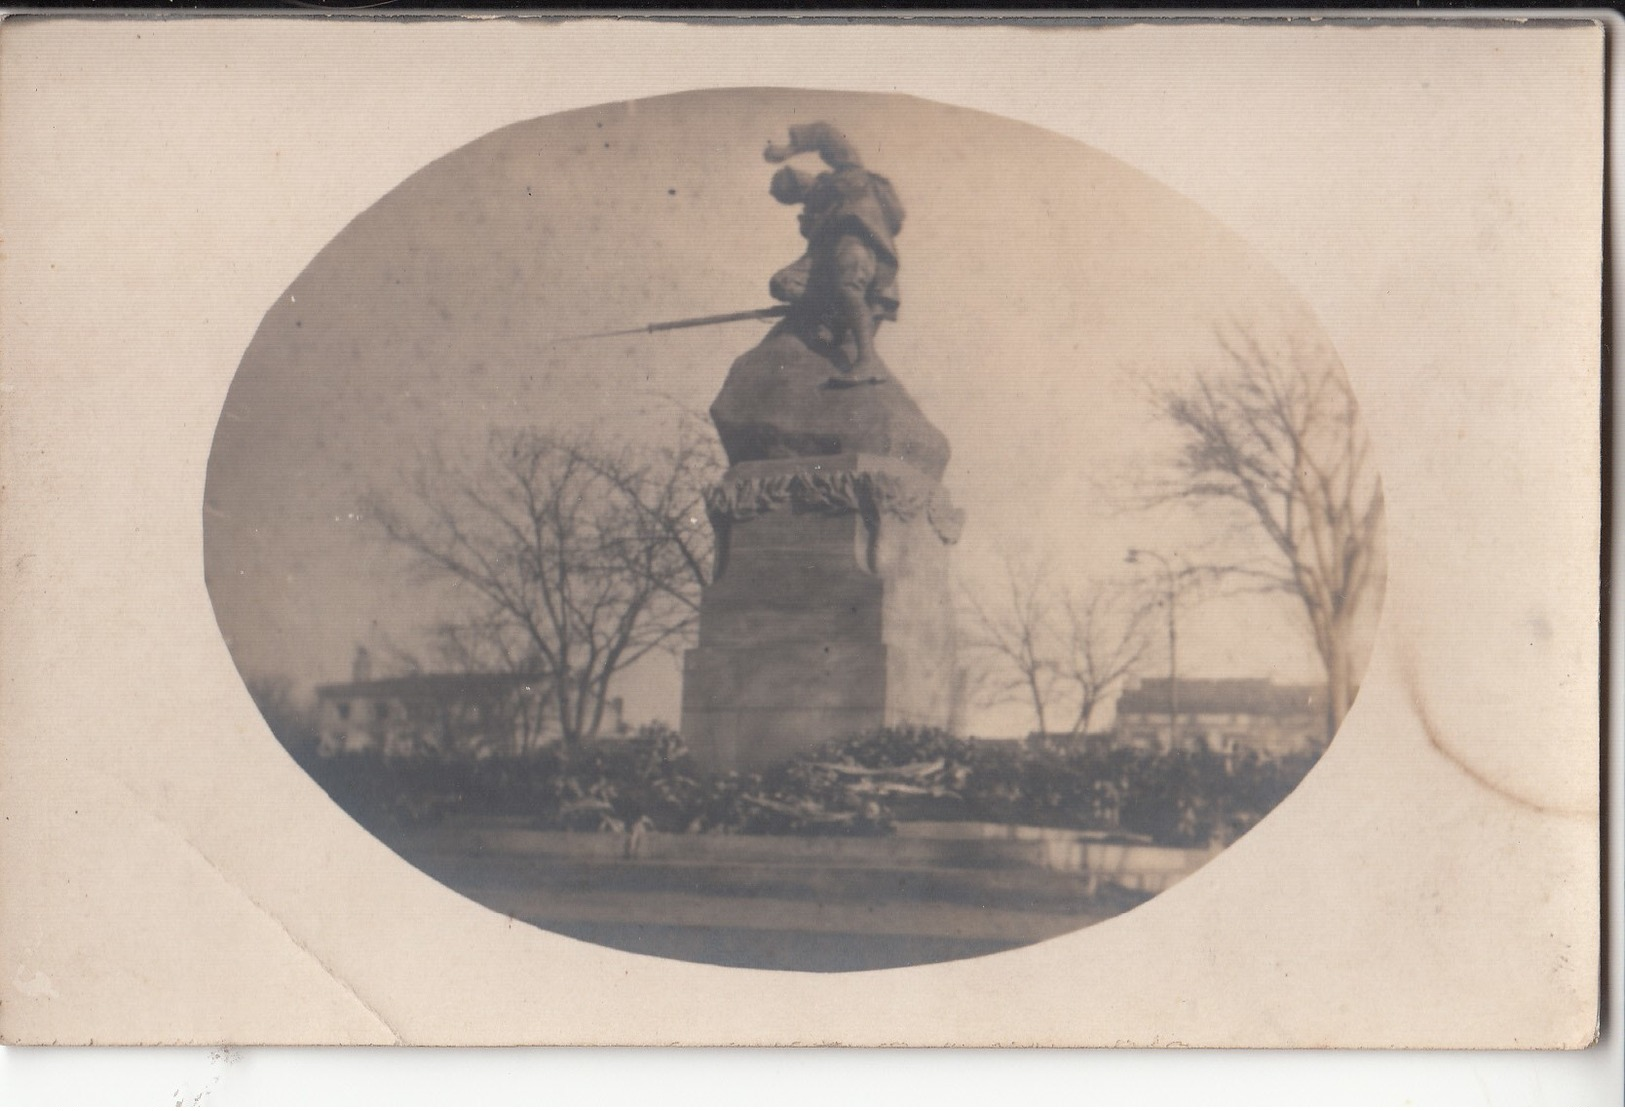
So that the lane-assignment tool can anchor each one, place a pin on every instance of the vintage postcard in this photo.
(620, 533)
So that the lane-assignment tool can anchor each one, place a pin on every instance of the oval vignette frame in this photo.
(1063, 317)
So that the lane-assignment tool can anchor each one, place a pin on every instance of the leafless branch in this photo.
(1276, 435)
(1061, 652)
(579, 558)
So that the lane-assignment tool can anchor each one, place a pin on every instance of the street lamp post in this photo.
(1134, 555)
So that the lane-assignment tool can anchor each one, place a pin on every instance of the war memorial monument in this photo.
(559, 563)
(829, 612)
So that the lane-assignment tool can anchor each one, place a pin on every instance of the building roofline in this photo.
(1224, 696)
(425, 682)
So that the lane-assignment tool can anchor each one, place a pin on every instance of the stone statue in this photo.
(829, 612)
(785, 398)
(845, 284)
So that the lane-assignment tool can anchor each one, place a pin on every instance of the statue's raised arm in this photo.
(846, 283)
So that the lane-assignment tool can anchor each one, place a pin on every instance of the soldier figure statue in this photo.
(846, 283)
(829, 610)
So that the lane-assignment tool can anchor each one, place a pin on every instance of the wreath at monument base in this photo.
(868, 493)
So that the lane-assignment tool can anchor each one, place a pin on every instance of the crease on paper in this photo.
(209, 861)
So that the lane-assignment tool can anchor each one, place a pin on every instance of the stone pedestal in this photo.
(830, 613)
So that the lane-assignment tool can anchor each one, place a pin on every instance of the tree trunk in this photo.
(1080, 728)
(1339, 687)
(564, 709)
(1038, 707)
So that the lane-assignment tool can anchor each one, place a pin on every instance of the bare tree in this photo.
(1061, 651)
(1104, 641)
(578, 558)
(1276, 436)
(1014, 635)
(479, 644)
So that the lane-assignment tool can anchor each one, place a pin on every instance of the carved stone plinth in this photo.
(830, 611)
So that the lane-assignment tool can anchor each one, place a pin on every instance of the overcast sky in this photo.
(1042, 282)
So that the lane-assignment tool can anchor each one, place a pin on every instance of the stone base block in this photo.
(747, 709)
(829, 616)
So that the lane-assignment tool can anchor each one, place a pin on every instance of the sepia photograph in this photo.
(648, 532)
(795, 530)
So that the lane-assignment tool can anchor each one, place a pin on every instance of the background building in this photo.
(1222, 715)
(465, 714)
(471, 715)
